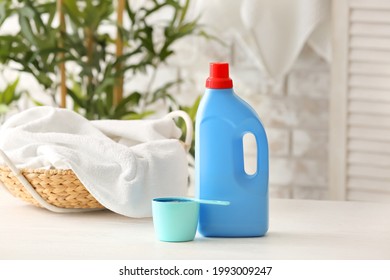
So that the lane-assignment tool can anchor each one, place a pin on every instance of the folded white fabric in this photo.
(123, 164)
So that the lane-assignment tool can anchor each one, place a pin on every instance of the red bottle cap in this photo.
(219, 76)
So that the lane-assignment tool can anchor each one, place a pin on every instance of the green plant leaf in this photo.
(26, 11)
(3, 109)
(130, 12)
(162, 92)
(36, 14)
(194, 108)
(156, 8)
(127, 55)
(49, 8)
(9, 94)
(184, 11)
(4, 11)
(35, 101)
(100, 109)
(208, 36)
(72, 10)
(123, 106)
(27, 32)
(108, 82)
(44, 79)
(76, 98)
(146, 37)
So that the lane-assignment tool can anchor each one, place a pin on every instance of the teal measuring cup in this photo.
(175, 219)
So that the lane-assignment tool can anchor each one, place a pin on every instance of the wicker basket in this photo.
(60, 190)
(58, 187)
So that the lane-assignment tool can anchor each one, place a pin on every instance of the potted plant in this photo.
(88, 45)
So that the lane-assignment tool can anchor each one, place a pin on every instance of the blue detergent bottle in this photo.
(222, 120)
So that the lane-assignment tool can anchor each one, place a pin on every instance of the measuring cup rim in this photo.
(173, 199)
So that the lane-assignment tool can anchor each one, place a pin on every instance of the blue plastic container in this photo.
(175, 219)
(222, 120)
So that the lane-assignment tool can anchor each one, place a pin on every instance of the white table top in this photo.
(299, 229)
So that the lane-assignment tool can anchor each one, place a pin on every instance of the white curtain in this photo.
(272, 31)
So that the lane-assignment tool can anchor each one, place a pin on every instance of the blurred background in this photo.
(314, 70)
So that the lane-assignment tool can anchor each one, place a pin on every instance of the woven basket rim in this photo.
(48, 183)
(39, 170)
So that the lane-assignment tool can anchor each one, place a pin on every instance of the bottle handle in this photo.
(262, 169)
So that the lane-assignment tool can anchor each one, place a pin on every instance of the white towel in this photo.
(123, 164)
